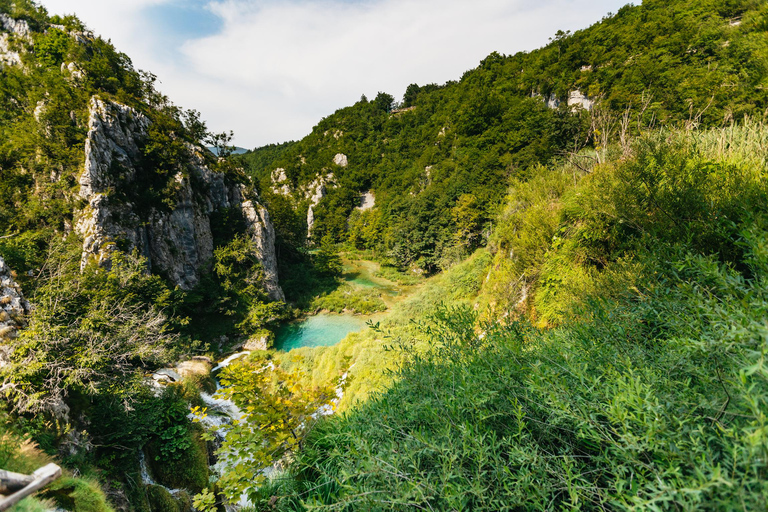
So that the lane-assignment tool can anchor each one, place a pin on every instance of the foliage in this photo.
(179, 456)
(88, 332)
(277, 411)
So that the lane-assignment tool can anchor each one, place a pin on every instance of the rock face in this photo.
(18, 27)
(367, 201)
(13, 306)
(341, 160)
(263, 234)
(577, 99)
(280, 184)
(553, 101)
(177, 243)
(315, 191)
(11, 27)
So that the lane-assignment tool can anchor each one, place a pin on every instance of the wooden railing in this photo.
(15, 487)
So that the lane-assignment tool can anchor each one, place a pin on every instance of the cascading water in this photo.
(220, 413)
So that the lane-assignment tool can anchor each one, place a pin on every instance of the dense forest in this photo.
(584, 226)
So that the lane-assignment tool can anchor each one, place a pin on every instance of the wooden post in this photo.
(21, 486)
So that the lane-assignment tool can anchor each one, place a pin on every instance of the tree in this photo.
(221, 142)
(383, 102)
(327, 260)
(99, 329)
(278, 410)
(468, 217)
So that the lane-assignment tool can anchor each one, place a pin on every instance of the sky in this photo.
(269, 70)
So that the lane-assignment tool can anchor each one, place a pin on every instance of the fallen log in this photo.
(16, 487)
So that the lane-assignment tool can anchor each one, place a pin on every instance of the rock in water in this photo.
(177, 241)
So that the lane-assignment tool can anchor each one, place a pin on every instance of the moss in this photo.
(31, 505)
(187, 471)
(184, 500)
(78, 495)
(160, 500)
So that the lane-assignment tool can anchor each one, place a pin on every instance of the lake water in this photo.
(326, 329)
(321, 330)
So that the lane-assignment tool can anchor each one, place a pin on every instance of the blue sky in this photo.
(271, 69)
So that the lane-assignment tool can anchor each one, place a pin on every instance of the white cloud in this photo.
(276, 67)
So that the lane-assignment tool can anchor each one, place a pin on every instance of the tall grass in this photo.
(647, 392)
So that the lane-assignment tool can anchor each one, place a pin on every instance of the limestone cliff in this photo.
(177, 241)
(314, 192)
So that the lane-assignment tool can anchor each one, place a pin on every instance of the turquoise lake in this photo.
(321, 330)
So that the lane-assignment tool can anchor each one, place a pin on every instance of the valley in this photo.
(540, 286)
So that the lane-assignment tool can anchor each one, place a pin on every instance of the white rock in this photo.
(263, 235)
(553, 101)
(316, 191)
(8, 57)
(367, 201)
(576, 100)
(280, 183)
(341, 160)
(18, 27)
(13, 306)
(257, 343)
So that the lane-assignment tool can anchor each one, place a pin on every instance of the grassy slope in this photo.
(649, 395)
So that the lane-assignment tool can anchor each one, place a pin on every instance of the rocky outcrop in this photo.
(341, 160)
(577, 99)
(9, 27)
(13, 306)
(17, 27)
(314, 192)
(177, 242)
(553, 101)
(263, 235)
(367, 201)
(280, 184)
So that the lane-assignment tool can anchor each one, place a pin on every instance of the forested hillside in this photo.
(440, 160)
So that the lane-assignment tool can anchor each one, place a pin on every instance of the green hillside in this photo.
(440, 164)
(651, 393)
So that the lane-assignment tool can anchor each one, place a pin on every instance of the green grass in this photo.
(350, 299)
(645, 391)
(399, 277)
